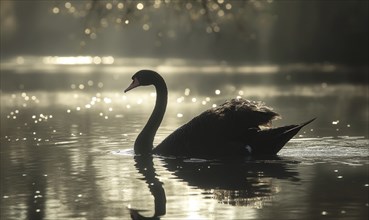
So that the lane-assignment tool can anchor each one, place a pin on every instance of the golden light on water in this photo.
(229, 6)
(146, 27)
(20, 60)
(68, 5)
(87, 31)
(170, 65)
(120, 5)
(187, 92)
(109, 6)
(140, 6)
(78, 60)
(56, 10)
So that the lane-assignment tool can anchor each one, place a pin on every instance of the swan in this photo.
(238, 127)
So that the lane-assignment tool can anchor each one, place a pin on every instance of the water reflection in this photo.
(145, 166)
(242, 182)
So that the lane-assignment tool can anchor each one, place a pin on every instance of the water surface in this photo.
(66, 153)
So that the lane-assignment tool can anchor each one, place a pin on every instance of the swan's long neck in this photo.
(144, 141)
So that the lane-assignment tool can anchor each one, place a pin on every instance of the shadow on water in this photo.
(241, 182)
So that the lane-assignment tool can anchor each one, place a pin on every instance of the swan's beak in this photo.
(133, 85)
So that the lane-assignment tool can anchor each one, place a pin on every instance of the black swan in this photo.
(238, 127)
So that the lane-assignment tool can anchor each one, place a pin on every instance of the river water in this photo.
(66, 146)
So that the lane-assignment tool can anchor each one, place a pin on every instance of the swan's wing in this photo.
(234, 120)
(246, 112)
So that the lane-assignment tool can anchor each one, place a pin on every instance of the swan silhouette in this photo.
(229, 130)
(145, 166)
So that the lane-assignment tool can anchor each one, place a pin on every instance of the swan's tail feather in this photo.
(271, 141)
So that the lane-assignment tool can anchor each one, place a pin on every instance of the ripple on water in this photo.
(66, 142)
(124, 152)
(327, 148)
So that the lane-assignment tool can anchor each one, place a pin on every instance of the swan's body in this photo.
(231, 129)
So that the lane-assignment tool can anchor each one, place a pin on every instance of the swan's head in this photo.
(143, 78)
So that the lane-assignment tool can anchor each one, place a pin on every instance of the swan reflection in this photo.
(145, 166)
(241, 182)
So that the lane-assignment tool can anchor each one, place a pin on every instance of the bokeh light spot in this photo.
(140, 6)
(56, 10)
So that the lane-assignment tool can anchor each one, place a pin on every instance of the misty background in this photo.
(234, 31)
